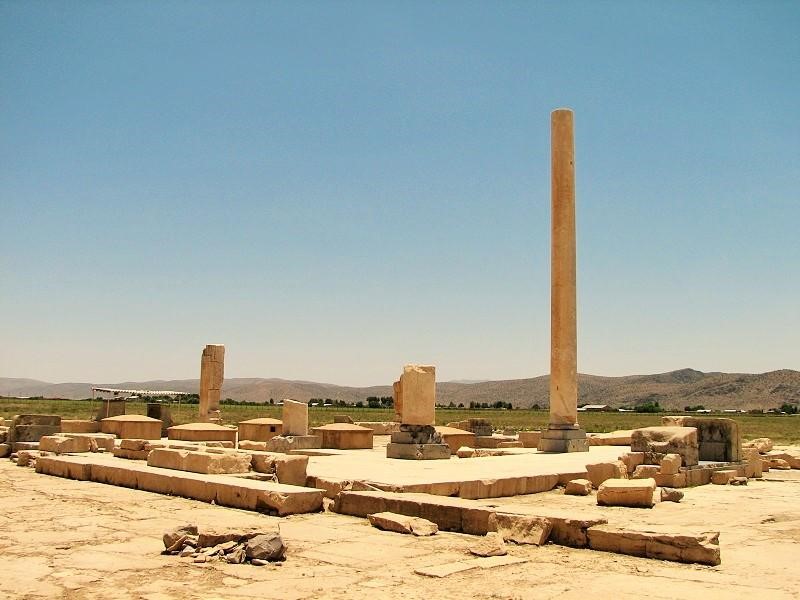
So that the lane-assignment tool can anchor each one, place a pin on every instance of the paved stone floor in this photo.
(69, 539)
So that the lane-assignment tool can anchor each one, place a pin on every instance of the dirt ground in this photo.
(68, 539)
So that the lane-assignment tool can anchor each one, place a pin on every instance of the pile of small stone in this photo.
(232, 546)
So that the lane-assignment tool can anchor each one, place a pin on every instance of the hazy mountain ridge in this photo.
(674, 389)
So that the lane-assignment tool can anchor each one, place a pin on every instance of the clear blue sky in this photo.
(335, 189)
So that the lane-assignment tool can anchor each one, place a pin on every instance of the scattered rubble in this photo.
(232, 546)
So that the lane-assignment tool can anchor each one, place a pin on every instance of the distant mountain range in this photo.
(673, 390)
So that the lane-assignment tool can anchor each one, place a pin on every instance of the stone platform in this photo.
(521, 471)
(235, 492)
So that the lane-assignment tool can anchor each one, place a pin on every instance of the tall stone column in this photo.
(563, 433)
(212, 373)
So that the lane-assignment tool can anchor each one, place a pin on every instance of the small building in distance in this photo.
(595, 408)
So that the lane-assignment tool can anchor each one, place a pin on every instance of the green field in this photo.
(783, 429)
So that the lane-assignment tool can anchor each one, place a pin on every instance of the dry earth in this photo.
(68, 539)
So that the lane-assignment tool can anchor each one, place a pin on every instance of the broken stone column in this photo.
(563, 433)
(417, 438)
(212, 373)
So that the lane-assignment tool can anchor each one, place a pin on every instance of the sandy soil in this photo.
(68, 539)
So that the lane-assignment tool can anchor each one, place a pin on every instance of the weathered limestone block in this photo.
(636, 493)
(202, 432)
(31, 427)
(632, 460)
(63, 445)
(723, 477)
(398, 523)
(27, 458)
(286, 444)
(291, 469)
(613, 438)
(529, 439)
(130, 454)
(260, 430)
(779, 464)
(672, 480)
(656, 442)
(207, 462)
(718, 439)
(521, 529)
(132, 426)
(700, 548)
(168, 458)
(698, 476)
(251, 445)
(671, 464)
(491, 544)
(295, 418)
(397, 398)
(456, 438)
(599, 472)
(497, 441)
(465, 452)
(3, 434)
(344, 436)
(418, 451)
(160, 411)
(791, 457)
(753, 462)
(98, 442)
(418, 383)
(578, 487)
(671, 495)
(645, 472)
(478, 426)
(79, 426)
(763, 445)
(5, 450)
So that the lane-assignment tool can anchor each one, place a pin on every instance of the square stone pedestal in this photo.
(418, 451)
(563, 440)
(417, 442)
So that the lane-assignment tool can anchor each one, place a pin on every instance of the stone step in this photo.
(247, 494)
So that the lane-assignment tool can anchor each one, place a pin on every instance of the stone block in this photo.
(719, 439)
(287, 444)
(789, 456)
(599, 472)
(418, 384)
(635, 493)
(36, 419)
(132, 426)
(344, 436)
(521, 529)
(168, 458)
(723, 477)
(130, 454)
(79, 426)
(563, 440)
(656, 442)
(646, 472)
(697, 476)
(455, 438)
(578, 487)
(753, 462)
(613, 438)
(213, 463)
(673, 480)
(31, 433)
(669, 494)
(64, 445)
(295, 418)
(702, 548)
(260, 430)
(160, 411)
(418, 451)
(291, 469)
(389, 521)
(529, 439)
(632, 460)
(671, 464)
(763, 445)
(263, 462)
(202, 432)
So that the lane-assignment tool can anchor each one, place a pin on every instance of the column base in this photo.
(563, 440)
